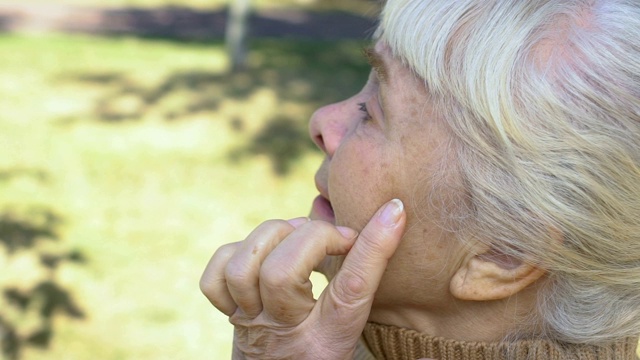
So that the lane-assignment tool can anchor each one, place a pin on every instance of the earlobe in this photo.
(491, 277)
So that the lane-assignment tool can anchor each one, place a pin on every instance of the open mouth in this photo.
(322, 210)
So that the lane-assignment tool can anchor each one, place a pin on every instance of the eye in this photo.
(363, 108)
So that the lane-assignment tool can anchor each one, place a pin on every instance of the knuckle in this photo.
(215, 270)
(275, 227)
(349, 290)
(215, 292)
(214, 295)
(224, 252)
(371, 243)
(237, 276)
(210, 287)
(275, 276)
(206, 286)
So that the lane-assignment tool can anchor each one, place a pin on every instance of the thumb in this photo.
(348, 297)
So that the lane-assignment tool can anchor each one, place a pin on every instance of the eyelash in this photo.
(363, 108)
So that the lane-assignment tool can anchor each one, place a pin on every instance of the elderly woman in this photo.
(479, 199)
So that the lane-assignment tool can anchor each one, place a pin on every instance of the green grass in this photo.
(147, 157)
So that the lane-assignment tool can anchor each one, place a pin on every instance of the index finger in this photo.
(360, 274)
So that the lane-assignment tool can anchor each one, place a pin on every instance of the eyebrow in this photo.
(377, 63)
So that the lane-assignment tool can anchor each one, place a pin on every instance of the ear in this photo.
(492, 276)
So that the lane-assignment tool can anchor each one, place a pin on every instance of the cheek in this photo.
(420, 271)
(360, 181)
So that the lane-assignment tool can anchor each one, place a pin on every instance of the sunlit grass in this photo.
(144, 150)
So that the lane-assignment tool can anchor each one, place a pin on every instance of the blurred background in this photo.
(132, 145)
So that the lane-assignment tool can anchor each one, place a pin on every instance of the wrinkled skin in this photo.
(262, 284)
(380, 144)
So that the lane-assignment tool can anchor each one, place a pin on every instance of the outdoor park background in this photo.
(128, 154)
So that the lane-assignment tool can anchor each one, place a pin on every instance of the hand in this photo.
(262, 284)
(330, 264)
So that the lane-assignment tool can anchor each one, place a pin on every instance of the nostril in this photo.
(327, 126)
(319, 142)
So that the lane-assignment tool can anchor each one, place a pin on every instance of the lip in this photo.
(322, 210)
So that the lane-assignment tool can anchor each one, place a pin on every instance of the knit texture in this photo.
(390, 342)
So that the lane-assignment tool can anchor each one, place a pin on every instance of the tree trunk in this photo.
(236, 33)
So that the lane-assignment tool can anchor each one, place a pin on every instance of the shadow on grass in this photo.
(301, 72)
(6, 22)
(283, 140)
(9, 174)
(33, 232)
(181, 23)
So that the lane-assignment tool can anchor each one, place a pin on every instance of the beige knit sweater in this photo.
(390, 342)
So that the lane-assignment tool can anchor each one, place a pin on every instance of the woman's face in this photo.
(383, 143)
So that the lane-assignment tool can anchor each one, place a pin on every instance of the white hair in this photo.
(543, 101)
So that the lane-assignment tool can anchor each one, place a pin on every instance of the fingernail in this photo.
(298, 221)
(391, 212)
(348, 233)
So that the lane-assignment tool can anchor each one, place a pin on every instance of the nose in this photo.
(328, 126)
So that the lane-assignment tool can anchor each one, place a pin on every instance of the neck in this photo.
(485, 321)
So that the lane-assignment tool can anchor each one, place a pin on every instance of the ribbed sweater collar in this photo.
(390, 342)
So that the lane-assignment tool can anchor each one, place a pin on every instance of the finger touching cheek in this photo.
(362, 269)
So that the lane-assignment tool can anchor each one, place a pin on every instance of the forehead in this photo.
(385, 55)
(382, 59)
(406, 101)
(381, 48)
(397, 74)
